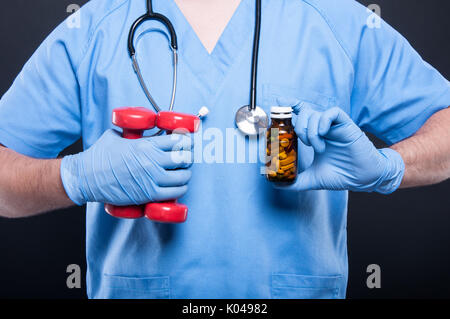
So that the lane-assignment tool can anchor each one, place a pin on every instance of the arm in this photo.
(133, 172)
(29, 186)
(427, 153)
(345, 159)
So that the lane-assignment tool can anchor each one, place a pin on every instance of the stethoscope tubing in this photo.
(150, 15)
(256, 41)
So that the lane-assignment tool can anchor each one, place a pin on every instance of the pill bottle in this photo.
(282, 146)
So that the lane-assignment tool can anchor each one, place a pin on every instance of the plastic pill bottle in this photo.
(282, 146)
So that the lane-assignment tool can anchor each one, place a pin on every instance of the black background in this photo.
(406, 233)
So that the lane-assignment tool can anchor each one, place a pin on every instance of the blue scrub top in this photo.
(243, 239)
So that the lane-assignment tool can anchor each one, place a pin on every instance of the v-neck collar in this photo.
(211, 69)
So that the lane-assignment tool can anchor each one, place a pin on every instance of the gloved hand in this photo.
(344, 158)
(123, 172)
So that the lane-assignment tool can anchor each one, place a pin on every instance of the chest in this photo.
(299, 60)
(208, 18)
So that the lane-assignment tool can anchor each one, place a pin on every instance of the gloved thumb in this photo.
(305, 181)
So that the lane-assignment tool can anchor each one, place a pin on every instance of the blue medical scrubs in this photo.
(243, 238)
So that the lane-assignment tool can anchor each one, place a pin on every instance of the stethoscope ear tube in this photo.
(137, 69)
(150, 15)
(147, 17)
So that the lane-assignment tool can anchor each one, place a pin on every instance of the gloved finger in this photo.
(301, 127)
(170, 142)
(295, 103)
(333, 116)
(157, 177)
(167, 193)
(176, 159)
(316, 141)
(338, 126)
(305, 181)
(174, 178)
(296, 107)
(186, 142)
(308, 180)
(166, 160)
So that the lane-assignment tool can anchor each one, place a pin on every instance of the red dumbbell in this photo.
(133, 121)
(171, 211)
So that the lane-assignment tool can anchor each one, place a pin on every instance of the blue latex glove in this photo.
(123, 172)
(344, 158)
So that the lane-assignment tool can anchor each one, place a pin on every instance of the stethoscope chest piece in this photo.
(251, 121)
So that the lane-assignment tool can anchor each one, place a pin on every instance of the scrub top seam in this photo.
(228, 74)
(341, 44)
(191, 69)
(33, 149)
(397, 135)
(236, 61)
(335, 34)
(200, 74)
(92, 33)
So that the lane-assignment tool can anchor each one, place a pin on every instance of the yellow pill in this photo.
(285, 136)
(284, 142)
(287, 167)
(287, 161)
(272, 174)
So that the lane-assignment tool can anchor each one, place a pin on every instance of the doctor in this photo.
(244, 238)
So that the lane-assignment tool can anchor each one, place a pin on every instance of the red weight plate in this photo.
(172, 121)
(166, 212)
(129, 212)
(135, 118)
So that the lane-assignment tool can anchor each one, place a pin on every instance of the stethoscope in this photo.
(250, 119)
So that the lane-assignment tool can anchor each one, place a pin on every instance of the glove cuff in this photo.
(395, 170)
(71, 179)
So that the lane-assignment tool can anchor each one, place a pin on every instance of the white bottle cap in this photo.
(281, 112)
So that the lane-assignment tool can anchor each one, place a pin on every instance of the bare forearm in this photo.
(29, 186)
(427, 153)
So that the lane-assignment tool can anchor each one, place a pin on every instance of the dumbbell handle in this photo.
(133, 121)
(132, 134)
(172, 211)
